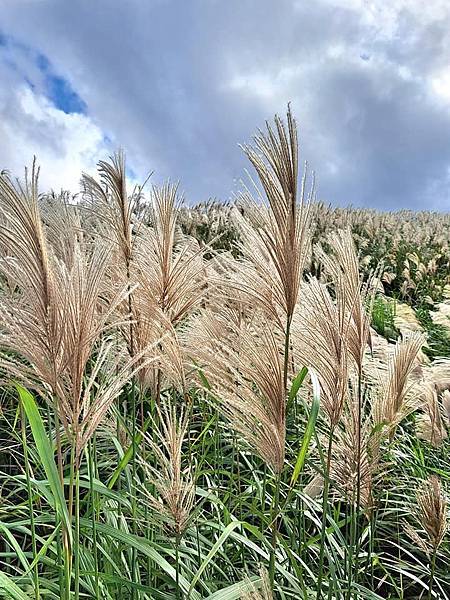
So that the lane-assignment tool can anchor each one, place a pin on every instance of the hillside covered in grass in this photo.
(224, 401)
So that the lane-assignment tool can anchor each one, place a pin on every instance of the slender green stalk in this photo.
(276, 499)
(152, 529)
(358, 473)
(61, 552)
(274, 524)
(77, 531)
(326, 487)
(30, 502)
(133, 425)
(353, 555)
(370, 553)
(263, 499)
(177, 565)
(299, 531)
(91, 453)
(68, 551)
(59, 447)
(134, 566)
(432, 574)
(60, 561)
(67, 571)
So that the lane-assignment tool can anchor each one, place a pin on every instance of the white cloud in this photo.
(367, 80)
(269, 84)
(64, 144)
(385, 18)
(440, 84)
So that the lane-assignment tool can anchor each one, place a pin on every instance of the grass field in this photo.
(249, 400)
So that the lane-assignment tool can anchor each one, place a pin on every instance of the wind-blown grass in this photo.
(200, 403)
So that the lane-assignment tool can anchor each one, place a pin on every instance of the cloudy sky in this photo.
(179, 84)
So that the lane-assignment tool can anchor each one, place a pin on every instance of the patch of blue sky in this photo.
(55, 87)
(58, 89)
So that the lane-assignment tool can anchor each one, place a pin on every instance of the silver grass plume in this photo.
(431, 515)
(244, 367)
(321, 332)
(174, 488)
(398, 391)
(276, 233)
(430, 423)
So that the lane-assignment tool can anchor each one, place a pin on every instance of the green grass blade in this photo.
(7, 535)
(296, 385)
(45, 451)
(223, 536)
(310, 427)
(143, 546)
(12, 590)
(128, 455)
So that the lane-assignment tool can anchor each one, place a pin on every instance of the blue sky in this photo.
(179, 85)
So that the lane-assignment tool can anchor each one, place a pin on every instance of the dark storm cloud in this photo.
(180, 84)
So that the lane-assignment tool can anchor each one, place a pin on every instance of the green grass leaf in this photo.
(143, 546)
(310, 427)
(46, 455)
(296, 385)
(13, 590)
(221, 540)
(128, 455)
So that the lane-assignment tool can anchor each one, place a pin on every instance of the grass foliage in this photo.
(246, 401)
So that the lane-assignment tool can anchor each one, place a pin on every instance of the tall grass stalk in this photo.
(356, 502)
(91, 455)
(134, 566)
(323, 536)
(77, 539)
(177, 565)
(432, 573)
(36, 585)
(72, 497)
